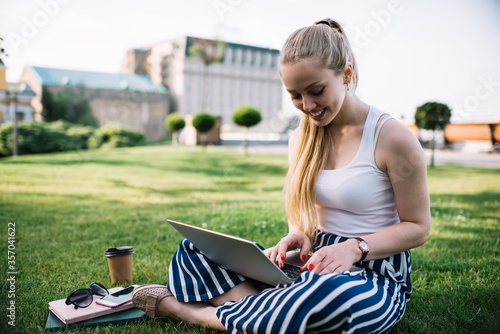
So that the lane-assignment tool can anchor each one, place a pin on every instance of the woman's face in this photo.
(317, 92)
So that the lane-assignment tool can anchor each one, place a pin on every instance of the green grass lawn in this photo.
(69, 207)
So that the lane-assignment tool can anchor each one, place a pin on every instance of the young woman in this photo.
(356, 199)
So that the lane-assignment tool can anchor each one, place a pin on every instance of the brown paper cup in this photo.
(120, 264)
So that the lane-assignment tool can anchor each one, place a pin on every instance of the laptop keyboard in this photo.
(291, 271)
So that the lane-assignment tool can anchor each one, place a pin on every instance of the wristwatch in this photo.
(363, 246)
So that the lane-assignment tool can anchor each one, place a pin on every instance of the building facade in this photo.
(14, 98)
(239, 75)
(131, 100)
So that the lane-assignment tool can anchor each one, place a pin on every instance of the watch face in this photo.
(364, 245)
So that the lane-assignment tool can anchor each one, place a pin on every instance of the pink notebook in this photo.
(69, 315)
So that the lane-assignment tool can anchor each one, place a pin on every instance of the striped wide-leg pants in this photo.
(371, 300)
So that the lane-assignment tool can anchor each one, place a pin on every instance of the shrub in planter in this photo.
(204, 122)
(246, 116)
(175, 123)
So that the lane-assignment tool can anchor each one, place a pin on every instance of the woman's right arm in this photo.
(295, 239)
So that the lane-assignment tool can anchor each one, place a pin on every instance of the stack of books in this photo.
(62, 316)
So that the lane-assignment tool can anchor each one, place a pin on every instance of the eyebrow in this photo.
(307, 87)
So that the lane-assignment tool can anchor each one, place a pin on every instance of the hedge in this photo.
(46, 137)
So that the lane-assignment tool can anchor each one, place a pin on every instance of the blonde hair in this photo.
(325, 41)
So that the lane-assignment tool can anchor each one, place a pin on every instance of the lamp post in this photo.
(14, 127)
(14, 120)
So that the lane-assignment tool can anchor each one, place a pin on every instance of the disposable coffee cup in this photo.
(120, 264)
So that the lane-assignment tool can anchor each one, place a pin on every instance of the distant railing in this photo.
(473, 131)
(469, 131)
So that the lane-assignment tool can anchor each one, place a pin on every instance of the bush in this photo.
(77, 136)
(80, 135)
(204, 122)
(114, 135)
(175, 122)
(246, 116)
(35, 137)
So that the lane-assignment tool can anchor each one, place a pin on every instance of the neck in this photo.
(352, 113)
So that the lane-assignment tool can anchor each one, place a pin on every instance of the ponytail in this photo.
(328, 43)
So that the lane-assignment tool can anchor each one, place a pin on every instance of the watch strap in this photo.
(364, 251)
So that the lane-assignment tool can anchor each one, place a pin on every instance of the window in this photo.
(238, 56)
(229, 55)
(248, 57)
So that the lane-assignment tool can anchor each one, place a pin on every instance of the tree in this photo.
(210, 52)
(2, 52)
(204, 122)
(246, 116)
(432, 116)
(69, 104)
(49, 111)
(175, 123)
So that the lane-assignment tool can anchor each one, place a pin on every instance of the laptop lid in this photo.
(239, 255)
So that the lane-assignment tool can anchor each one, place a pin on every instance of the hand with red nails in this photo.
(336, 258)
(290, 242)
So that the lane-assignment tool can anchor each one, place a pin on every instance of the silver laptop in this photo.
(239, 255)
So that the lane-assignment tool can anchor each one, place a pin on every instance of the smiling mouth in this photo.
(316, 114)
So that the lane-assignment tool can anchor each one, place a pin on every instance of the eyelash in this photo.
(313, 94)
(319, 92)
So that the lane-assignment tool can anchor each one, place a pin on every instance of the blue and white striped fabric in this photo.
(371, 300)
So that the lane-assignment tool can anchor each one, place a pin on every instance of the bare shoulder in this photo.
(397, 146)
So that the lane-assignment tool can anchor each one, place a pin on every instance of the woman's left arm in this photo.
(400, 155)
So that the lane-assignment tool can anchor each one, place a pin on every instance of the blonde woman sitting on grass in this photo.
(356, 198)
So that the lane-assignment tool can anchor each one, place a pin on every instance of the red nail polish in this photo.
(303, 257)
(280, 265)
(311, 267)
(282, 257)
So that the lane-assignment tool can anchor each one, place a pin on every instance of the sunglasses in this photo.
(84, 297)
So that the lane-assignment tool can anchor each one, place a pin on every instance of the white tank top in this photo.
(357, 199)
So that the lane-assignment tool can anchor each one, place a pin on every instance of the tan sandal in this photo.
(147, 297)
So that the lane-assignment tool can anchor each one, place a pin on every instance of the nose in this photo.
(308, 104)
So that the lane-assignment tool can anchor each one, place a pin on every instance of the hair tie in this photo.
(333, 25)
(324, 22)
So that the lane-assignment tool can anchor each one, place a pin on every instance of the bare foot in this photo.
(195, 312)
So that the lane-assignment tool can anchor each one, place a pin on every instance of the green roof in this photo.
(98, 80)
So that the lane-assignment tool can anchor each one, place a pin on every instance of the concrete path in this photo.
(489, 160)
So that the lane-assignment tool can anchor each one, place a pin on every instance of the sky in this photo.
(409, 52)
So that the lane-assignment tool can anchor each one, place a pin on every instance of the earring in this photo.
(348, 87)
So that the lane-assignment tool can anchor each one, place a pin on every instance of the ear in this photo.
(348, 74)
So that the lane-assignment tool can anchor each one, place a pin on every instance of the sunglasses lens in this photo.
(80, 298)
(99, 289)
